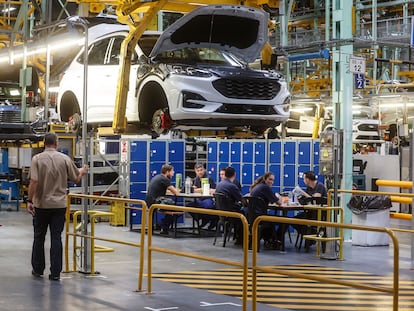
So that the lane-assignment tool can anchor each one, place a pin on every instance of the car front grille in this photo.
(9, 116)
(368, 127)
(246, 109)
(261, 89)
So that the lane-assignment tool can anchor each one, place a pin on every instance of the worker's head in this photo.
(200, 170)
(167, 170)
(230, 173)
(51, 140)
(309, 178)
(269, 178)
(222, 173)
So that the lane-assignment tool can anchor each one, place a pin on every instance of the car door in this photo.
(102, 80)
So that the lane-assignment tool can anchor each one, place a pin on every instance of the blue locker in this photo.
(224, 152)
(139, 151)
(138, 172)
(245, 189)
(289, 176)
(235, 152)
(302, 169)
(275, 152)
(304, 152)
(213, 170)
(248, 155)
(316, 153)
(158, 151)
(136, 191)
(260, 152)
(176, 152)
(275, 169)
(212, 151)
(289, 152)
(259, 170)
(237, 168)
(155, 168)
(247, 174)
(276, 189)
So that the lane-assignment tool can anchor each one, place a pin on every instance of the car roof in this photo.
(238, 29)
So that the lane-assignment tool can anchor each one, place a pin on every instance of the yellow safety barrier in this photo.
(255, 268)
(394, 183)
(243, 264)
(332, 212)
(401, 216)
(94, 214)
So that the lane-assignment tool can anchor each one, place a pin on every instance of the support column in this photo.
(342, 90)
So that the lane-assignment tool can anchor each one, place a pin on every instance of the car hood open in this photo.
(238, 29)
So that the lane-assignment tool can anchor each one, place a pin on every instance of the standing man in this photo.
(46, 202)
(157, 188)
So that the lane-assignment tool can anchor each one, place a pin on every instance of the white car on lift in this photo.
(195, 75)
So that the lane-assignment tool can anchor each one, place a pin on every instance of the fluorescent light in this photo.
(301, 109)
(396, 105)
(8, 9)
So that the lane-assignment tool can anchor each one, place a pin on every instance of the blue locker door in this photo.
(259, 152)
(176, 152)
(275, 169)
(139, 150)
(289, 152)
(319, 176)
(302, 169)
(237, 168)
(212, 151)
(138, 172)
(235, 152)
(155, 168)
(316, 153)
(289, 176)
(275, 152)
(248, 148)
(247, 174)
(213, 170)
(224, 152)
(158, 151)
(304, 152)
(259, 170)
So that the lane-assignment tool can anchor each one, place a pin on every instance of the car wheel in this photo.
(161, 121)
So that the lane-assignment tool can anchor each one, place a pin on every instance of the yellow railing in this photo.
(332, 212)
(92, 236)
(255, 268)
(243, 264)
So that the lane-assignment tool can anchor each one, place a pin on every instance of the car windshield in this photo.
(200, 56)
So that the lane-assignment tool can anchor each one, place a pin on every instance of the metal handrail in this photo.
(394, 290)
(141, 245)
(243, 264)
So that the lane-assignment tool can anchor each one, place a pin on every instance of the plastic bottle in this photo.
(188, 185)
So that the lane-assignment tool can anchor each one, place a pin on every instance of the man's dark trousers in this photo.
(54, 218)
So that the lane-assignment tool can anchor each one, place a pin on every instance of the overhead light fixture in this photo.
(9, 9)
(301, 109)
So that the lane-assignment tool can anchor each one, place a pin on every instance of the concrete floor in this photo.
(115, 287)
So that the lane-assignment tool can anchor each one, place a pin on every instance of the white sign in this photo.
(357, 64)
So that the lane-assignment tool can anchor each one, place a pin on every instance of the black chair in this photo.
(223, 203)
(256, 207)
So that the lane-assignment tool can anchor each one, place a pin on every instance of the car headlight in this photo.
(189, 71)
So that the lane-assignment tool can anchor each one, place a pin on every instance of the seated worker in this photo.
(223, 176)
(204, 203)
(232, 191)
(315, 193)
(262, 188)
(157, 188)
